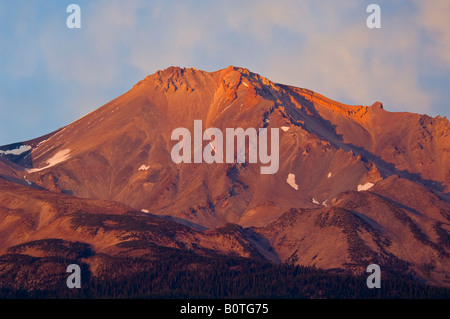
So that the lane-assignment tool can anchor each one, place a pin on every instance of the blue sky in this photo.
(51, 75)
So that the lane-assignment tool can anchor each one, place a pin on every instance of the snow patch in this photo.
(17, 151)
(41, 142)
(59, 157)
(365, 187)
(325, 203)
(245, 84)
(144, 168)
(225, 109)
(329, 174)
(144, 211)
(285, 128)
(315, 202)
(26, 180)
(291, 181)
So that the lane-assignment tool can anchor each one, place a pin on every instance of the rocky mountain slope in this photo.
(355, 185)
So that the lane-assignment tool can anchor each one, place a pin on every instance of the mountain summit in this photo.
(356, 184)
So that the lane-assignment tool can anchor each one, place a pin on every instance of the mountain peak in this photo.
(334, 159)
(174, 71)
(377, 104)
(239, 69)
(177, 79)
(171, 78)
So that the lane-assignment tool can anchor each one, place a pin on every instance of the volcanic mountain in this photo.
(356, 184)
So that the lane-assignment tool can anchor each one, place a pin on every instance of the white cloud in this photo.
(336, 56)
(321, 45)
(357, 65)
(434, 17)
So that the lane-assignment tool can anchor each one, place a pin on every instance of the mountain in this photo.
(355, 184)
(405, 235)
(35, 216)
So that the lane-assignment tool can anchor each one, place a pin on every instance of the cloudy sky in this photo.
(51, 75)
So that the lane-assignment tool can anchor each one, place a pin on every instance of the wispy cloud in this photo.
(321, 45)
(434, 18)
